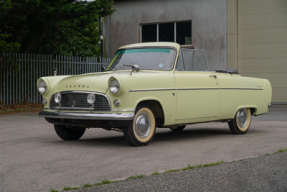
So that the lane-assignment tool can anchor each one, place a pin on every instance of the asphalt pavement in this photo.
(33, 158)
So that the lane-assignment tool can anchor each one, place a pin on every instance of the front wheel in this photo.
(66, 133)
(241, 122)
(142, 130)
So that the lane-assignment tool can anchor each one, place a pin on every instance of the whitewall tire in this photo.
(241, 122)
(142, 130)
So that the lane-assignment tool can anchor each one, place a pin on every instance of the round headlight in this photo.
(58, 97)
(114, 86)
(116, 102)
(42, 87)
(91, 98)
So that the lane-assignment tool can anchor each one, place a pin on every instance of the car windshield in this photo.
(146, 58)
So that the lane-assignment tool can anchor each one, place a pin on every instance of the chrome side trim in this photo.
(207, 88)
(87, 92)
(138, 90)
(182, 89)
(244, 88)
(87, 116)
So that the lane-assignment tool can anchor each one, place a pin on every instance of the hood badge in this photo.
(79, 86)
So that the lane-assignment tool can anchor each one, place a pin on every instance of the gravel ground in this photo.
(264, 173)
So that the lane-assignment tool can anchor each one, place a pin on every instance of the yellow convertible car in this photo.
(148, 86)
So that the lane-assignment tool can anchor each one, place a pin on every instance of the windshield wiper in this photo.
(134, 67)
(103, 68)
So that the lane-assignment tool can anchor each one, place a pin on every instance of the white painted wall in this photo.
(208, 24)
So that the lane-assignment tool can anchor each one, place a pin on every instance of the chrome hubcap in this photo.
(142, 125)
(242, 117)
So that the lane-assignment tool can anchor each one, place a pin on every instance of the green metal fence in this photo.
(18, 82)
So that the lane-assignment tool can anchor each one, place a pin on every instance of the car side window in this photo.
(180, 65)
(194, 60)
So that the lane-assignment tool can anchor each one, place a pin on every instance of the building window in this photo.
(166, 32)
(179, 32)
(149, 33)
(183, 33)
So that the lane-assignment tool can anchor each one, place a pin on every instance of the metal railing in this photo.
(18, 84)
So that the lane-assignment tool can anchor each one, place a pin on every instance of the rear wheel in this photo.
(66, 133)
(241, 122)
(142, 130)
(178, 128)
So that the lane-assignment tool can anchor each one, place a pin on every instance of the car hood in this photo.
(98, 82)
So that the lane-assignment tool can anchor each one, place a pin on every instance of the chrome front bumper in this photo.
(87, 116)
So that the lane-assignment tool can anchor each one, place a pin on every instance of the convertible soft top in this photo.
(230, 71)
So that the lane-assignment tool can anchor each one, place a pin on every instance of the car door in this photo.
(197, 91)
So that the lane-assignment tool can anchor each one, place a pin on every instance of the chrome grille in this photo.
(78, 101)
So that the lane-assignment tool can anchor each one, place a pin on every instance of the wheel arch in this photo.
(252, 108)
(155, 107)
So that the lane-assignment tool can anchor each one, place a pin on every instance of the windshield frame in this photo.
(181, 51)
(145, 47)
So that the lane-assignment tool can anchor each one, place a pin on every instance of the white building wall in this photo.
(262, 43)
(208, 24)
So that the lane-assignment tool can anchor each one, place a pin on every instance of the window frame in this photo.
(174, 62)
(157, 29)
(182, 54)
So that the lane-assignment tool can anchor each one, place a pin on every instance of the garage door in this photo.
(262, 43)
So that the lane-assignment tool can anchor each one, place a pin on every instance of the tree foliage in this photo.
(7, 47)
(68, 27)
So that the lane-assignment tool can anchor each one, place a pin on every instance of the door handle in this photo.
(213, 76)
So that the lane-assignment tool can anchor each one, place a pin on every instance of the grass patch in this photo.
(136, 177)
(108, 182)
(20, 109)
(155, 173)
(70, 188)
(280, 151)
(105, 182)
(88, 185)
(172, 170)
(53, 190)
(202, 165)
(188, 167)
(213, 164)
(267, 154)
